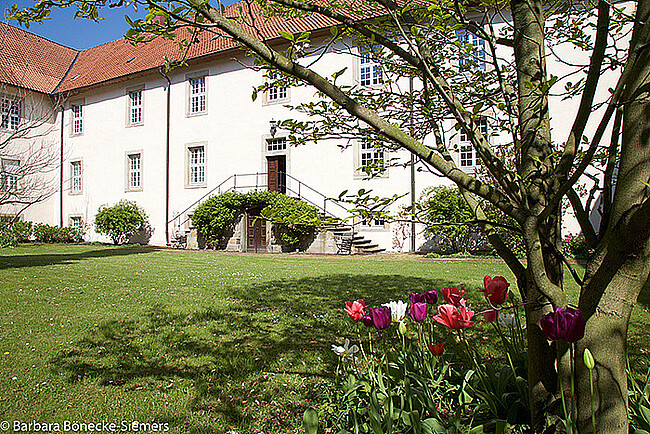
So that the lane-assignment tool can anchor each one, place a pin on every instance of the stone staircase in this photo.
(337, 235)
(347, 236)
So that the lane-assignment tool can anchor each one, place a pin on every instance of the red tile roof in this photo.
(45, 66)
(32, 62)
(121, 58)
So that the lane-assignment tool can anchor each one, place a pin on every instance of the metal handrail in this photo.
(258, 186)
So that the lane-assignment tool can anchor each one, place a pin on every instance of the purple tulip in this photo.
(431, 296)
(566, 325)
(416, 297)
(381, 317)
(418, 311)
(367, 319)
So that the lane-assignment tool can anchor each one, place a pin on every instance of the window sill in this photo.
(193, 186)
(276, 101)
(366, 177)
(193, 115)
(75, 193)
(134, 125)
(373, 229)
(133, 190)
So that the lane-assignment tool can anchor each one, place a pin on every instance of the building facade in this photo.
(122, 128)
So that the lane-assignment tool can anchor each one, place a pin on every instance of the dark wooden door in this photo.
(255, 232)
(276, 173)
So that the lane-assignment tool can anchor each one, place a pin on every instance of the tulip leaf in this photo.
(433, 426)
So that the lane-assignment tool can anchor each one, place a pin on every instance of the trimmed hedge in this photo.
(23, 231)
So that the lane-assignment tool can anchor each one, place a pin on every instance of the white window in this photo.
(197, 95)
(76, 177)
(474, 52)
(11, 111)
(135, 171)
(273, 145)
(76, 222)
(276, 91)
(373, 222)
(371, 156)
(370, 72)
(10, 175)
(77, 118)
(135, 107)
(196, 168)
(467, 154)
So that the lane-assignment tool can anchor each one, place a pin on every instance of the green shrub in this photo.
(23, 231)
(576, 246)
(293, 219)
(13, 233)
(44, 233)
(448, 220)
(121, 221)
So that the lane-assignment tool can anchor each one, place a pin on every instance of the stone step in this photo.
(373, 250)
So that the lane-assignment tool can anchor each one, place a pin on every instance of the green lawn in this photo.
(207, 343)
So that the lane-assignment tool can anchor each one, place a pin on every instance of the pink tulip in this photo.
(356, 310)
(454, 317)
(496, 290)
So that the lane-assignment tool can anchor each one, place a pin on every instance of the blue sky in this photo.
(80, 33)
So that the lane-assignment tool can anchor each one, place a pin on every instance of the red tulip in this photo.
(454, 317)
(491, 315)
(356, 310)
(437, 349)
(496, 290)
(453, 295)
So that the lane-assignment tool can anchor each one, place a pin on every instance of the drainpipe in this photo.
(412, 176)
(169, 87)
(61, 169)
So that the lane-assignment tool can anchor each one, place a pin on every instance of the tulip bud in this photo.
(588, 359)
(402, 328)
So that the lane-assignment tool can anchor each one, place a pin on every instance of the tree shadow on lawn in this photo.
(19, 261)
(258, 360)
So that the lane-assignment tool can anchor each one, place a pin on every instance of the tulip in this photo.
(495, 290)
(454, 317)
(397, 309)
(491, 315)
(356, 310)
(381, 317)
(367, 320)
(437, 349)
(416, 297)
(453, 295)
(431, 296)
(566, 325)
(345, 350)
(418, 311)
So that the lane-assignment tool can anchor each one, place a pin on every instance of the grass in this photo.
(206, 343)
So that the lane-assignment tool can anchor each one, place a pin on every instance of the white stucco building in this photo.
(123, 129)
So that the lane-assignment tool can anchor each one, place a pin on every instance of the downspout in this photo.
(169, 87)
(61, 168)
(412, 175)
